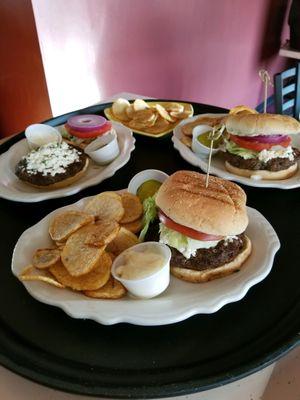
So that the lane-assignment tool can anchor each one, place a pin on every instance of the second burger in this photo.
(204, 227)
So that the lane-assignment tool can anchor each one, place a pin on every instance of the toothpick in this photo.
(265, 77)
(213, 135)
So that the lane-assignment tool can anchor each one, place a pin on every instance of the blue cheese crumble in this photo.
(51, 159)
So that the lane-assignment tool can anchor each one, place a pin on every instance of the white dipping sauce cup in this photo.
(198, 147)
(144, 176)
(152, 285)
(104, 149)
(39, 134)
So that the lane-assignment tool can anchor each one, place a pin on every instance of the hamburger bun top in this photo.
(261, 124)
(219, 209)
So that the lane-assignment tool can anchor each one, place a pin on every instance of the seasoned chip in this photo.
(119, 109)
(187, 140)
(159, 126)
(123, 241)
(113, 289)
(174, 107)
(130, 111)
(103, 233)
(44, 258)
(112, 256)
(90, 281)
(140, 104)
(180, 115)
(163, 113)
(32, 274)
(106, 205)
(132, 206)
(78, 257)
(134, 226)
(66, 223)
(144, 116)
(187, 129)
(60, 245)
(242, 110)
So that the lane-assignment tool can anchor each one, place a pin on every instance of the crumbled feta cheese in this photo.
(50, 159)
(277, 152)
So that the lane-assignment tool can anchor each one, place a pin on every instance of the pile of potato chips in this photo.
(86, 243)
(152, 117)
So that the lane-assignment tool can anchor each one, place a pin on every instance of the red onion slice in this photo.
(266, 138)
(87, 122)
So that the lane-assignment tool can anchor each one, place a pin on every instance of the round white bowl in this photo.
(39, 134)
(104, 149)
(198, 147)
(145, 176)
(152, 285)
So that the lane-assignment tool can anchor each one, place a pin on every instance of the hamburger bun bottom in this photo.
(190, 275)
(65, 182)
(263, 173)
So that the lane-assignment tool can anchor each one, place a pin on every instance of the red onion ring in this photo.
(266, 138)
(86, 123)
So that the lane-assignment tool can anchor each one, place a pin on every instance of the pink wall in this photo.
(203, 50)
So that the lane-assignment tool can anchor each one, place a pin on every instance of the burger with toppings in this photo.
(259, 145)
(204, 227)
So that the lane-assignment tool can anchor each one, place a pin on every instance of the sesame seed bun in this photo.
(261, 124)
(219, 209)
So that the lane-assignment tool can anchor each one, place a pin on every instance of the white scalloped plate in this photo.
(180, 301)
(12, 188)
(218, 166)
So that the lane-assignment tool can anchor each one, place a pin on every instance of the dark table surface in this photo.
(44, 344)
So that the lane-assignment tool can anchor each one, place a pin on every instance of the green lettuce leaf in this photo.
(233, 148)
(173, 238)
(150, 213)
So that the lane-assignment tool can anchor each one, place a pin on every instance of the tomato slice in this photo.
(89, 134)
(184, 230)
(258, 146)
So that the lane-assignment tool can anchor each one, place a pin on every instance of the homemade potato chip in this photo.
(242, 110)
(174, 107)
(113, 289)
(187, 129)
(132, 206)
(123, 241)
(90, 281)
(164, 113)
(66, 223)
(44, 258)
(144, 116)
(130, 111)
(134, 226)
(187, 140)
(160, 126)
(78, 257)
(103, 233)
(106, 205)
(180, 115)
(119, 109)
(140, 104)
(32, 274)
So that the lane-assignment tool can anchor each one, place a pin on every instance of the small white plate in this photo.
(12, 188)
(180, 301)
(218, 165)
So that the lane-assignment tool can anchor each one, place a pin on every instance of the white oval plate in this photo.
(12, 188)
(180, 301)
(218, 165)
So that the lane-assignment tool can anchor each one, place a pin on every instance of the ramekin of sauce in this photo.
(201, 141)
(144, 269)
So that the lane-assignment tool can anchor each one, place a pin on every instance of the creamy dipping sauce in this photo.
(139, 265)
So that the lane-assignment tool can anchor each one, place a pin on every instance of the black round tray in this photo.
(42, 343)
